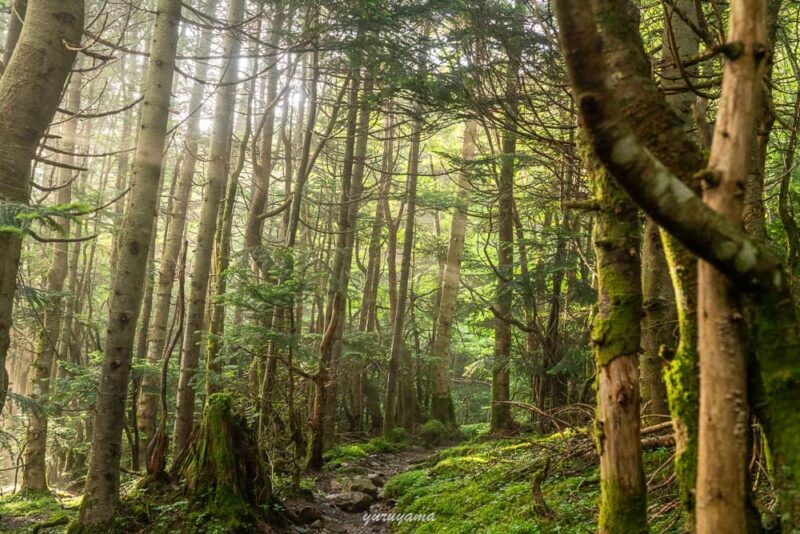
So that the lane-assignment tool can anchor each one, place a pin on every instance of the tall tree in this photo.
(102, 482)
(616, 339)
(441, 401)
(398, 406)
(40, 63)
(173, 239)
(34, 471)
(217, 174)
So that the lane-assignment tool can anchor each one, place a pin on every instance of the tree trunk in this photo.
(217, 175)
(352, 186)
(102, 484)
(397, 387)
(501, 419)
(148, 397)
(724, 414)
(16, 18)
(441, 402)
(34, 472)
(747, 263)
(616, 339)
(658, 324)
(222, 468)
(40, 63)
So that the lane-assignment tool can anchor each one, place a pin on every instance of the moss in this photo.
(341, 455)
(486, 487)
(434, 432)
(682, 376)
(20, 512)
(223, 473)
(622, 511)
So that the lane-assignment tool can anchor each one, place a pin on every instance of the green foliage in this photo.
(486, 487)
(341, 455)
(433, 432)
(19, 513)
(474, 430)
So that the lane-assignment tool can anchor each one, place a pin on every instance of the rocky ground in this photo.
(343, 497)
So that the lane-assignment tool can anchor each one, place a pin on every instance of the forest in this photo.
(410, 266)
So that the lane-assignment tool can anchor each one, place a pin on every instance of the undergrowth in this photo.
(487, 485)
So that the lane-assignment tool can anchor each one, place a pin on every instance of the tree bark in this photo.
(16, 18)
(501, 419)
(724, 413)
(217, 174)
(148, 397)
(658, 324)
(34, 472)
(752, 267)
(102, 483)
(398, 373)
(616, 340)
(40, 63)
(441, 401)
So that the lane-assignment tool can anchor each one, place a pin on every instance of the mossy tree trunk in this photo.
(616, 341)
(662, 123)
(750, 265)
(221, 467)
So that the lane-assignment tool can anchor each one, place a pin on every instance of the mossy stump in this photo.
(221, 469)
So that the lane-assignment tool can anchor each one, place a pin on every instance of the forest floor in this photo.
(521, 484)
(339, 504)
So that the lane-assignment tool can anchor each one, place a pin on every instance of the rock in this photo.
(308, 514)
(335, 527)
(361, 484)
(364, 485)
(350, 501)
(377, 479)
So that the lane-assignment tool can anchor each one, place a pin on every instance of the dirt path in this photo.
(333, 497)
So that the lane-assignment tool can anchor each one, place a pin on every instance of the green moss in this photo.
(474, 431)
(486, 487)
(20, 512)
(434, 432)
(342, 455)
(622, 512)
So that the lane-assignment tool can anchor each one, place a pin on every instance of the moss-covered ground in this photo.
(488, 485)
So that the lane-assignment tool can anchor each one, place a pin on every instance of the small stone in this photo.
(335, 527)
(351, 501)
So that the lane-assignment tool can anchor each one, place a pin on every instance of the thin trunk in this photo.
(217, 174)
(616, 339)
(157, 336)
(399, 393)
(501, 419)
(724, 414)
(352, 186)
(16, 18)
(442, 402)
(34, 474)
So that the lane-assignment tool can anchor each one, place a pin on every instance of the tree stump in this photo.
(221, 468)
